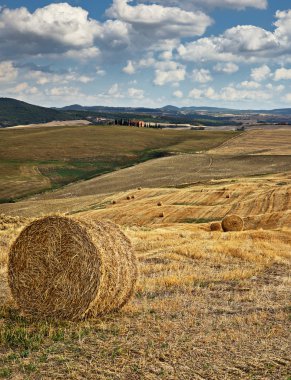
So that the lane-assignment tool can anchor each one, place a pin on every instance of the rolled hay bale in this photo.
(139, 188)
(128, 198)
(113, 202)
(159, 204)
(133, 197)
(215, 226)
(232, 223)
(227, 196)
(161, 215)
(67, 268)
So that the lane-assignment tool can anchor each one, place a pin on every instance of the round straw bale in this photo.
(215, 226)
(128, 198)
(139, 188)
(161, 215)
(71, 268)
(114, 202)
(133, 197)
(159, 204)
(232, 223)
(227, 196)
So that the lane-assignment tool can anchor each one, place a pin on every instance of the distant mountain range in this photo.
(15, 112)
(174, 109)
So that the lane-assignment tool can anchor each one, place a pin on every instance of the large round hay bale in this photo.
(232, 223)
(215, 226)
(71, 268)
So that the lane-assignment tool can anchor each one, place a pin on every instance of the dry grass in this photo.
(258, 142)
(37, 159)
(208, 305)
(174, 172)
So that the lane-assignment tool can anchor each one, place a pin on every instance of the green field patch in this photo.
(41, 159)
(198, 220)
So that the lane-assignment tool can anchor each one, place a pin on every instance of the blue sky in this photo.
(230, 53)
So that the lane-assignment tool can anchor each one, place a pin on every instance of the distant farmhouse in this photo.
(132, 123)
(142, 124)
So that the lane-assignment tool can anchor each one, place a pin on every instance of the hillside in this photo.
(208, 305)
(39, 159)
(175, 110)
(15, 112)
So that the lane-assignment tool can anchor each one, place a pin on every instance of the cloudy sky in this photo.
(234, 53)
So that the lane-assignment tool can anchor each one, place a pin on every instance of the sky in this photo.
(151, 53)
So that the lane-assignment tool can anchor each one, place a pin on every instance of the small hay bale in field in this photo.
(139, 188)
(71, 268)
(227, 196)
(128, 198)
(232, 223)
(215, 226)
(133, 197)
(114, 202)
(159, 204)
(161, 215)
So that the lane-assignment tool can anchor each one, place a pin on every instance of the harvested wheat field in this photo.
(258, 142)
(207, 305)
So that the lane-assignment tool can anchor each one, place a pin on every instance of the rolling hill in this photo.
(207, 305)
(15, 112)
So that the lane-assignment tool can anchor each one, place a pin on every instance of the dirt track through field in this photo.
(176, 171)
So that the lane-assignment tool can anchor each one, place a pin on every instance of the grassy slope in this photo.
(57, 156)
(15, 112)
(207, 305)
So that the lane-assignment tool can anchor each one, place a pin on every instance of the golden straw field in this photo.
(207, 304)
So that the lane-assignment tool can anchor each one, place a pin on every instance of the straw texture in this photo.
(71, 268)
(232, 223)
(215, 226)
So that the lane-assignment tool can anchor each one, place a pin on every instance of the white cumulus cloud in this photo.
(8, 72)
(261, 73)
(227, 68)
(178, 94)
(250, 84)
(209, 4)
(169, 72)
(136, 93)
(201, 76)
(282, 74)
(54, 28)
(129, 68)
(160, 21)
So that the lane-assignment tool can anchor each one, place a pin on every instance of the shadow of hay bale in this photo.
(71, 268)
(215, 226)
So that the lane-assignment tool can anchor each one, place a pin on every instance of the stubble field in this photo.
(208, 305)
(37, 159)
